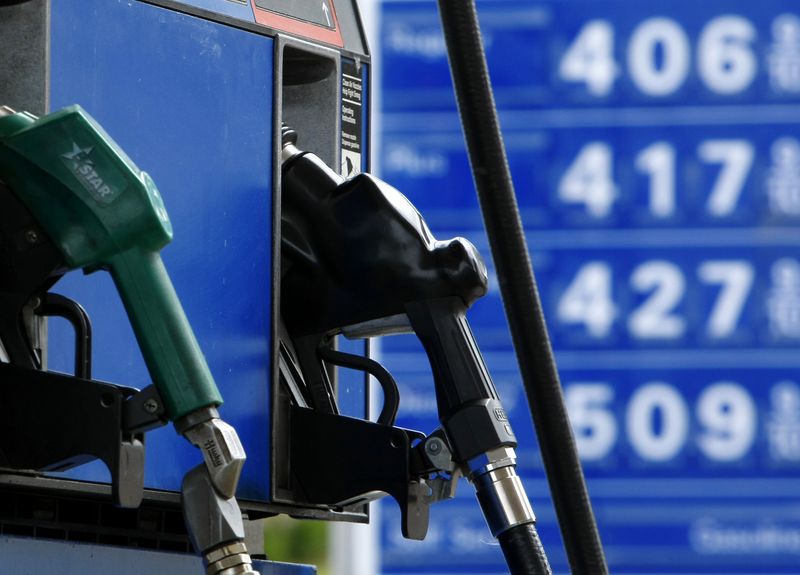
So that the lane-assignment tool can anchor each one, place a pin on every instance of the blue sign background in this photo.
(656, 156)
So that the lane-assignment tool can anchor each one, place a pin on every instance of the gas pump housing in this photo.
(196, 92)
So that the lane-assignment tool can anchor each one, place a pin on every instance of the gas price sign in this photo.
(655, 148)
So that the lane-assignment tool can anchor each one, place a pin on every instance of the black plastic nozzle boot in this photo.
(357, 251)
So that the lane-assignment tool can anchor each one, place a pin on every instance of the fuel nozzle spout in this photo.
(499, 490)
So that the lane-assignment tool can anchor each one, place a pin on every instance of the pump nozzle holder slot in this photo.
(337, 461)
(70, 421)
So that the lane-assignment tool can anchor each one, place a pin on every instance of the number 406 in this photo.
(659, 56)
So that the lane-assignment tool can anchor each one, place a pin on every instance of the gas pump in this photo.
(356, 248)
(195, 92)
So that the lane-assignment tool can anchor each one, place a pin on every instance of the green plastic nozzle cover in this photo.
(104, 212)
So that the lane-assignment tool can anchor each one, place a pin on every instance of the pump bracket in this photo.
(338, 460)
(55, 422)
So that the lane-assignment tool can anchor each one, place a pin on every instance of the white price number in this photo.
(658, 421)
(651, 37)
(659, 56)
(665, 286)
(728, 418)
(589, 299)
(657, 161)
(592, 420)
(735, 158)
(589, 179)
(590, 58)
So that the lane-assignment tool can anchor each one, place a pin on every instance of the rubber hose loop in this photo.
(518, 286)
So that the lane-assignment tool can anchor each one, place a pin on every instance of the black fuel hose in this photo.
(518, 288)
(523, 551)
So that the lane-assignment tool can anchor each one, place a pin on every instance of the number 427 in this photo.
(588, 299)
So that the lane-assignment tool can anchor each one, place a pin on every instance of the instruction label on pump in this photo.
(352, 94)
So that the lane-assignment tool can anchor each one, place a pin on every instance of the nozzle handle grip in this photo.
(170, 349)
(469, 408)
(459, 372)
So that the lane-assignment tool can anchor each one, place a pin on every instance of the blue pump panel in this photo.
(187, 90)
(190, 101)
(656, 157)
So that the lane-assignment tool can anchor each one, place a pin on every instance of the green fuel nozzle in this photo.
(102, 212)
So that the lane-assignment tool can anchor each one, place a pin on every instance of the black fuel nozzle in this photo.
(359, 259)
(356, 251)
